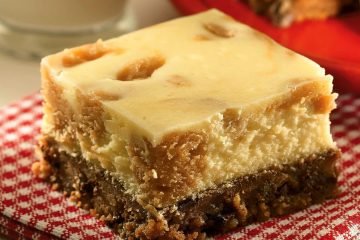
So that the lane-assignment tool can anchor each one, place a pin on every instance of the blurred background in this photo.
(19, 73)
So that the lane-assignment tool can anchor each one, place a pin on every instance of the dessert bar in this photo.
(187, 129)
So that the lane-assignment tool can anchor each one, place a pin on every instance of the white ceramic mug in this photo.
(40, 27)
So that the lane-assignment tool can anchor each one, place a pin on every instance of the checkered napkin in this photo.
(30, 210)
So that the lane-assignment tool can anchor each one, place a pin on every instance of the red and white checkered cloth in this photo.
(30, 210)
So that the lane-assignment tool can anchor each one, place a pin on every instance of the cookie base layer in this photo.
(257, 197)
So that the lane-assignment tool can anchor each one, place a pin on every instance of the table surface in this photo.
(19, 77)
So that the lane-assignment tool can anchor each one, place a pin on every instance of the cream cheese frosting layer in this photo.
(192, 68)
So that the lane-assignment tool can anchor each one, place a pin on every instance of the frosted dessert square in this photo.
(187, 129)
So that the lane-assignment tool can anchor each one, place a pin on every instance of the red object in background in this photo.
(333, 43)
